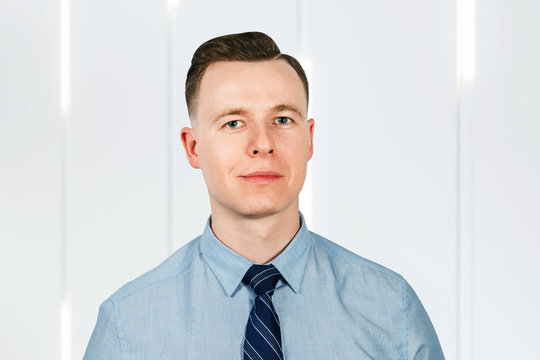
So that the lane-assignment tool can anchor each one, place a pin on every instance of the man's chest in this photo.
(214, 328)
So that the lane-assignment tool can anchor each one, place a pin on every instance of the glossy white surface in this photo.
(506, 192)
(30, 190)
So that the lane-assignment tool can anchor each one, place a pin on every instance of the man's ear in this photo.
(311, 124)
(190, 145)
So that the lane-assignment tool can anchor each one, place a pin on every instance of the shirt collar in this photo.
(230, 267)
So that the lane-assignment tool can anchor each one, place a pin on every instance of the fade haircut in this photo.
(248, 46)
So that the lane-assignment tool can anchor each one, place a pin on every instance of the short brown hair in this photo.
(248, 46)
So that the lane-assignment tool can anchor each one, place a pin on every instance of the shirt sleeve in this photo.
(105, 341)
(421, 339)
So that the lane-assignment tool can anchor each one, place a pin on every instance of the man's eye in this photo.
(283, 120)
(232, 124)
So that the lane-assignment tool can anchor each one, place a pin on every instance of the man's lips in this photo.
(262, 177)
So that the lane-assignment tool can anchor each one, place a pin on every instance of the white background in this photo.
(435, 177)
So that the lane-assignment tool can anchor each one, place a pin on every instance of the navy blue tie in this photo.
(263, 337)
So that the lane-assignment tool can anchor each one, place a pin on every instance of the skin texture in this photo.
(251, 116)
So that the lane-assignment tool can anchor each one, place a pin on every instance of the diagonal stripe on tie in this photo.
(266, 332)
(268, 302)
(250, 350)
(269, 338)
(258, 276)
(268, 277)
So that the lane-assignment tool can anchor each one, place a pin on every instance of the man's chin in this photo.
(254, 208)
(259, 212)
(260, 209)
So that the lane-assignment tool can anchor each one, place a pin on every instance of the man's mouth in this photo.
(262, 177)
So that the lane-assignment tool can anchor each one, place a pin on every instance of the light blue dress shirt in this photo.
(332, 304)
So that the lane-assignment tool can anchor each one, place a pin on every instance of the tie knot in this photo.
(262, 278)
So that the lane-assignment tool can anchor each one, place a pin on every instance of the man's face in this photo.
(251, 117)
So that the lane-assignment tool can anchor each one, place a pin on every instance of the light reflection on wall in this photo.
(65, 110)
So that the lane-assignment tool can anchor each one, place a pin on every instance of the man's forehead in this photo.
(241, 65)
(269, 85)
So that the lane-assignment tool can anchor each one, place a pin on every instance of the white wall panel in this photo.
(197, 22)
(506, 173)
(384, 165)
(30, 218)
(117, 152)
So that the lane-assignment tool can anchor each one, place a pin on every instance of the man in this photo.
(257, 284)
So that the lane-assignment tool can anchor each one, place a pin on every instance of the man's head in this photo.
(248, 46)
(248, 105)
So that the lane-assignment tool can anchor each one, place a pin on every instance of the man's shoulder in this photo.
(170, 269)
(348, 262)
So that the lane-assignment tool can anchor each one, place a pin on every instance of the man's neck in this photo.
(259, 239)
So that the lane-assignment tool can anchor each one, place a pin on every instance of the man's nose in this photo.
(261, 141)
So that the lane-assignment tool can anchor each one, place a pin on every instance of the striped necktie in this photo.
(262, 340)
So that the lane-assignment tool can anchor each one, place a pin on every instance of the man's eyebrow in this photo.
(232, 111)
(275, 109)
(287, 107)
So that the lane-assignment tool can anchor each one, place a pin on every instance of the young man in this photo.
(257, 284)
